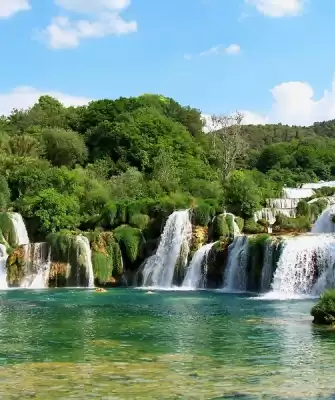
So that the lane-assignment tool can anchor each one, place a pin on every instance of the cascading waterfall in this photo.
(325, 224)
(3, 269)
(20, 229)
(305, 266)
(158, 271)
(37, 269)
(235, 226)
(197, 271)
(85, 257)
(236, 270)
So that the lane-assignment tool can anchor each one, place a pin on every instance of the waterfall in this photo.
(37, 269)
(84, 255)
(197, 270)
(235, 226)
(20, 229)
(236, 270)
(305, 266)
(159, 269)
(3, 269)
(324, 223)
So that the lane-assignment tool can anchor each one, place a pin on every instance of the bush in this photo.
(303, 209)
(324, 310)
(109, 213)
(300, 224)
(140, 221)
(252, 227)
(202, 214)
(221, 228)
(129, 240)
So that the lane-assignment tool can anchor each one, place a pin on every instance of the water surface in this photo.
(128, 344)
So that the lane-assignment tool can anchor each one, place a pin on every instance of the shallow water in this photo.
(128, 344)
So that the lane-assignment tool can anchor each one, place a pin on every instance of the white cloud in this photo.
(278, 8)
(11, 7)
(232, 49)
(24, 96)
(104, 19)
(294, 104)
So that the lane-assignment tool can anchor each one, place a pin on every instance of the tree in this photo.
(242, 195)
(228, 145)
(64, 147)
(54, 210)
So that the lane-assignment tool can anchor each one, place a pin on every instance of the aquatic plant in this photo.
(324, 310)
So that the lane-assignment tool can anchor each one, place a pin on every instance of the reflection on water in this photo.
(126, 344)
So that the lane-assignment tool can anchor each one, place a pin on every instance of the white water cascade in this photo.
(197, 271)
(3, 270)
(305, 266)
(158, 270)
(38, 262)
(85, 256)
(20, 229)
(235, 226)
(236, 270)
(324, 223)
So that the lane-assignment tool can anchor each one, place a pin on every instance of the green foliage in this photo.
(4, 193)
(203, 214)
(54, 210)
(129, 240)
(61, 244)
(252, 227)
(140, 221)
(324, 310)
(109, 214)
(7, 229)
(117, 259)
(63, 147)
(241, 194)
(221, 228)
(303, 209)
(286, 224)
(102, 266)
(240, 223)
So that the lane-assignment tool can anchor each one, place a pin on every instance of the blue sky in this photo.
(272, 59)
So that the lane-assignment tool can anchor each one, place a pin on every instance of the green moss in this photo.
(256, 249)
(117, 259)
(7, 229)
(140, 221)
(16, 266)
(109, 214)
(221, 228)
(240, 223)
(102, 266)
(62, 245)
(129, 240)
(324, 310)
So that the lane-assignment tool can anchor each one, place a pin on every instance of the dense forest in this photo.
(121, 161)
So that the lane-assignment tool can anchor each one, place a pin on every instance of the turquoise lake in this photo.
(128, 344)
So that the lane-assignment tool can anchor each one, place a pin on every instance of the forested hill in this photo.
(70, 167)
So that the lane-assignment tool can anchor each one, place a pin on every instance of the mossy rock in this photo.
(221, 228)
(217, 262)
(251, 227)
(16, 266)
(324, 310)
(129, 240)
(256, 249)
(7, 229)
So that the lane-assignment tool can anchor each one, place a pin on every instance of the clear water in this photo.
(129, 344)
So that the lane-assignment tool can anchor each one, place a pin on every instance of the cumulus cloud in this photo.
(293, 103)
(24, 96)
(278, 8)
(103, 18)
(10, 7)
(232, 49)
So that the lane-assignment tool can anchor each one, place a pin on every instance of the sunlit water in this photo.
(129, 344)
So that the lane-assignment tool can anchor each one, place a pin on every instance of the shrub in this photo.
(221, 228)
(324, 310)
(252, 227)
(109, 213)
(129, 240)
(303, 209)
(140, 221)
(300, 224)
(202, 214)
